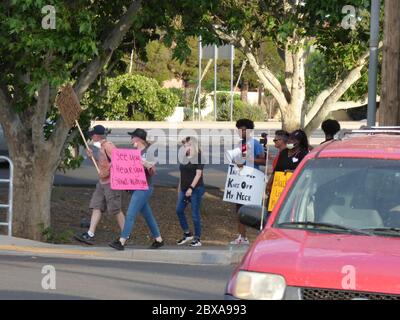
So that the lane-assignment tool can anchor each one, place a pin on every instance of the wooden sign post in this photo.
(70, 109)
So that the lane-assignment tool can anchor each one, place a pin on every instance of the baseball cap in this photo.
(99, 130)
(139, 133)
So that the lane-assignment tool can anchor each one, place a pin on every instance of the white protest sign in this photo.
(244, 186)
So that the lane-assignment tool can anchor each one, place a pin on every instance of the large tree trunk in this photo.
(32, 194)
(32, 185)
(389, 114)
(291, 119)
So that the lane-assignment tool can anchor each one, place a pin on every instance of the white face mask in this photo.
(97, 144)
(290, 146)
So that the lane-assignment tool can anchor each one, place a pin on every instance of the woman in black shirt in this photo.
(296, 149)
(289, 159)
(191, 190)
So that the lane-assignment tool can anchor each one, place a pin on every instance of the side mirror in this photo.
(251, 216)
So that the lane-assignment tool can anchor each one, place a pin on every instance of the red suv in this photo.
(335, 231)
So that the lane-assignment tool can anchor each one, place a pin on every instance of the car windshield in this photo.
(360, 196)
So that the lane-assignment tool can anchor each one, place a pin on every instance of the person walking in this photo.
(139, 202)
(191, 190)
(253, 155)
(104, 198)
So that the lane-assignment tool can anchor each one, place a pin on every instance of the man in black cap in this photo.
(104, 198)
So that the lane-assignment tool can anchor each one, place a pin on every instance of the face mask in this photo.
(290, 146)
(97, 144)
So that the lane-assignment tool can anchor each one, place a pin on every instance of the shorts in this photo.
(105, 198)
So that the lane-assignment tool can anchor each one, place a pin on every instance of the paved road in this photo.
(21, 278)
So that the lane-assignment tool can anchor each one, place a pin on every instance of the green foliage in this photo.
(319, 75)
(136, 97)
(159, 60)
(316, 23)
(240, 109)
(180, 93)
(51, 236)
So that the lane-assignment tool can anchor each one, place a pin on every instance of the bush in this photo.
(136, 97)
(51, 236)
(240, 109)
(180, 93)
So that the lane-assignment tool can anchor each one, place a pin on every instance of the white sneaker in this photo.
(240, 241)
(195, 243)
(184, 240)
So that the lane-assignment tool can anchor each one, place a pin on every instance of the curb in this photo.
(194, 256)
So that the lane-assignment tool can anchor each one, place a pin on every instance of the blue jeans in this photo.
(140, 204)
(197, 196)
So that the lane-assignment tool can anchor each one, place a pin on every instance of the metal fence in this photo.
(8, 205)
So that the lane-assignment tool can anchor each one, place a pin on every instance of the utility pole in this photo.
(373, 63)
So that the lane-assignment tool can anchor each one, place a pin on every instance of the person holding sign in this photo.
(252, 155)
(104, 197)
(140, 199)
(191, 190)
(289, 159)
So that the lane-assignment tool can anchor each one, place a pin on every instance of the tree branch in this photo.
(298, 92)
(345, 105)
(111, 43)
(91, 72)
(331, 95)
(270, 82)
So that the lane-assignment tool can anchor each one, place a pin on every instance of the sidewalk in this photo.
(222, 255)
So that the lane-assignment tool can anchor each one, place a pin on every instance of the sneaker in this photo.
(117, 245)
(240, 241)
(156, 244)
(186, 238)
(195, 243)
(85, 238)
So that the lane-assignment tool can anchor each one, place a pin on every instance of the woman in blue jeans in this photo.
(191, 191)
(140, 199)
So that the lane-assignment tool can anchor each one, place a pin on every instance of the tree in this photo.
(136, 97)
(295, 27)
(389, 111)
(35, 62)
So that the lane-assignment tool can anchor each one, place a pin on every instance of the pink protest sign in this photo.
(127, 172)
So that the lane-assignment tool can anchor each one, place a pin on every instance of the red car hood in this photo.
(320, 260)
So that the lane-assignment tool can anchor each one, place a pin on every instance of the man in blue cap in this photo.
(104, 198)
